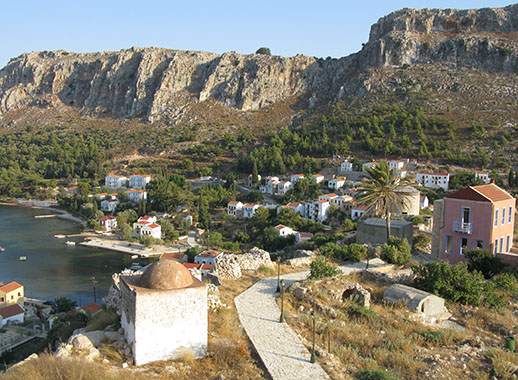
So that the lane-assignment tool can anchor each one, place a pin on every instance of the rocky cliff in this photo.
(153, 84)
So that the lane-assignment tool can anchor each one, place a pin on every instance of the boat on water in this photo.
(23, 258)
(2, 249)
(59, 236)
(134, 257)
(68, 242)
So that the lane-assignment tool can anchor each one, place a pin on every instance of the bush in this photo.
(375, 375)
(356, 252)
(485, 262)
(456, 283)
(263, 50)
(417, 220)
(396, 251)
(319, 269)
(421, 241)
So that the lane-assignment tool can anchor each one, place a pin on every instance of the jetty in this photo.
(45, 216)
(128, 248)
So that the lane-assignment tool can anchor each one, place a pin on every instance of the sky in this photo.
(334, 28)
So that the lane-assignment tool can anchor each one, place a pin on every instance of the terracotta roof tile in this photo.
(11, 310)
(91, 308)
(10, 287)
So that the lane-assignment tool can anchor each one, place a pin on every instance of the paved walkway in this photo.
(279, 347)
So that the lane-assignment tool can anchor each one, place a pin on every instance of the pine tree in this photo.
(255, 173)
(203, 214)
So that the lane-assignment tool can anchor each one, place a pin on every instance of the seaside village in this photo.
(164, 306)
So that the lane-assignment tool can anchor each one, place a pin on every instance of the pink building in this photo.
(474, 217)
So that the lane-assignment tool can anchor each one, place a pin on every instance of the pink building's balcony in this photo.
(463, 228)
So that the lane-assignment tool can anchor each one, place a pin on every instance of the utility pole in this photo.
(93, 285)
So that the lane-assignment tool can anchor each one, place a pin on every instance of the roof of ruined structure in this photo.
(166, 275)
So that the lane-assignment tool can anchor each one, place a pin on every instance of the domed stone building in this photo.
(164, 313)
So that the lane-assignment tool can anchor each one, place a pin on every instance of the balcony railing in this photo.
(463, 228)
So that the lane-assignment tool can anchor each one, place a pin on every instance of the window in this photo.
(508, 243)
(496, 246)
(503, 215)
(463, 245)
(12, 297)
(479, 244)
(466, 215)
(448, 244)
(510, 213)
(19, 294)
(501, 244)
(496, 218)
(2, 299)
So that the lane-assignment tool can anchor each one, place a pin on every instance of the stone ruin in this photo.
(232, 266)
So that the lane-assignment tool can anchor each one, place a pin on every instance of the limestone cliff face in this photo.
(154, 84)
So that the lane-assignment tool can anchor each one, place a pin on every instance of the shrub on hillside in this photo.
(355, 252)
(375, 375)
(484, 261)
(421, 241)
(320, 269)
(396, 251)
(456, 283)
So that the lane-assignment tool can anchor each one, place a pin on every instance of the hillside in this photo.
(431, 84)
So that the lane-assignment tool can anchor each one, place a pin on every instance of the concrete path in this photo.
(279, 347)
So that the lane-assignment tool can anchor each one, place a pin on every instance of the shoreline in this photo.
(43, 205)
(128, 248)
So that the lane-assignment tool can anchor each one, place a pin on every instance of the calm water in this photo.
(52, 269)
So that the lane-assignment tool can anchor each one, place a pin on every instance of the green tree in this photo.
(62, 305)
(126, 231)
(320, 269)
(203, 213)
(381, 193)
(263, 50)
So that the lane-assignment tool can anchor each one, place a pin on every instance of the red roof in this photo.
(11, 310)
(305, 234)
(153, 225)
(146, 217)
(317, 175)
(360, 207)
(332, 195)
(323, 201)
(172, 256)
(280, 227)
(482, 193)
(197, 266)
(209, 254)
(109, 217)
(294, 204)
(10, 287)
(233, 202)
(91, 308)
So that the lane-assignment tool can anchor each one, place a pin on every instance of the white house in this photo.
(115, 181)
(147, 218)
(423, 201)
(316, 210)
(336, 183)
(108, 222)
(319, 178)
(283, 187)
(146, 226)
(234, 208)
(370, 165)
(328, 197)
(346, 166)
(483, 176)
(109, 205)
(11, 314)
(139, 181)
(295, 177)
(207, 257)
(249, 210)
(301, 237)
(357, 211)
(434, 180)
(396, 165)
(284, 230)
(136, 195)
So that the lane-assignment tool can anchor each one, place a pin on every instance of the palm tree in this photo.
(381, 193)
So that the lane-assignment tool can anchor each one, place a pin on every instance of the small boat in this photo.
(23, 258)
(134, 257)
(2, 249)
(68, 242)
(59, 236)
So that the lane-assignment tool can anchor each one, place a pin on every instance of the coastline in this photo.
(44, 205)
(128, 248)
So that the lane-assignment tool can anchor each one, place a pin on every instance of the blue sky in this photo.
(315, 28)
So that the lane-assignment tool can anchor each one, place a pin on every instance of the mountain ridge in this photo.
(162, 85)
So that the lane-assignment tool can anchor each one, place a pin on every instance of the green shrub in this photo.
(506, 283)
(263, 50)
(421, 241)
(456, 283)
(484, 261)
(396, 251)
(320, 269)
(356, 252)
(375, 375)
(417, 220)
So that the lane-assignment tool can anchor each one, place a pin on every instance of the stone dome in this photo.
(166, 275)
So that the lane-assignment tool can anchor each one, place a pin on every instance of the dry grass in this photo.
(102, 319)
(383, 337)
